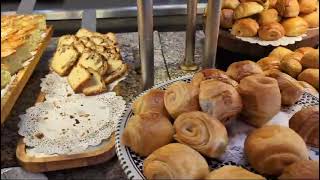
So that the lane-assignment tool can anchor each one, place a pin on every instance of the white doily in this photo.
(69, 125)
(284, 41)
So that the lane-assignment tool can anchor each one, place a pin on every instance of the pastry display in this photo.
(310, 76)
(291, 66)
(288, 8)
(147, 132)
(239, 70)
(304, 169)
(279, 52)
(202, 132)
(272, 148)
(271, 31)
(226, 18)
(245, 28)
(306, 123)
(247, 9)
(308, 88)
(230, 4)
(261, 99)
(308, 6)
(220, 100)
(295, 26)
(311, 59)
(268, 16)
(215, 74)
(268, 63)
(175, 161)
(312, 19)
(233, 172)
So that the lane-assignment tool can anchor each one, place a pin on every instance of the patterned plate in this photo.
(132, 163)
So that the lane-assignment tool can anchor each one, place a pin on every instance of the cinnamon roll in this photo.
(246, 27)
(215, 74)
(271, 32)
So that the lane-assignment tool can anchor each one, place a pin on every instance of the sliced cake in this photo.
(78, 77)
(93, 61)
(94, 85)
(64, 59)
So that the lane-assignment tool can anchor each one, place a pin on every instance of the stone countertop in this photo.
(168, 51)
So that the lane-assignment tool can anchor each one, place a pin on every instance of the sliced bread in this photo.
(64, 59)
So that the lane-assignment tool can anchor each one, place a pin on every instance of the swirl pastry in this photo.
(269, 63)
(261, 99)
(226, 18)
(246, 27)
(175, 161)
(311, 59)
(271, 32)
(230, 4)
(181, 97)
(215, 74)
(268, 16)
(247, 9)
(147, 132)
(304, 169)
(304, 50)
(306, 123)
(310, 76)
(280, 52)
(288, 8)
(239, 70)
(307, 6)
(271, 148)
(291, 67)
(151, 101)
(202, 132)
(295, 26)
(312, 19)
(308, 88)
(219, 100)
(233, 172)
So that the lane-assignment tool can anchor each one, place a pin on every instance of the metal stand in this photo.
(26, 6)
(89, 20)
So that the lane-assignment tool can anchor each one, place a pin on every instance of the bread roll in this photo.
(175, 161)
(147, 132)
(304, 50)
(261, 99)
(202, 132)
(311, 59)
(230, 4)
(271, 32)
(268, 63)
(306, 123)
(293, 56)
(226, 18)
(310, 76)
(215, 74)
(308, 6)
(308, 88)
(247, 9)
(295, 26)
(219, 100)
(239, 70)
(279, 52)
(288, 8)
(271, 148)
(151, 101)
(268, 16)
(312, 19)
(181, 97)
(304, 169)
(291, 67)
(246, 27)
(272, 3)
(233, 172)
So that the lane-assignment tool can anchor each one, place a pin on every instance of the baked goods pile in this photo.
(20, 36)
(90, 60)
(270, 20)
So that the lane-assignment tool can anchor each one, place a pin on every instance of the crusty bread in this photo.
(64, 59)
(93, 61)
(94, 85)
(77, 77)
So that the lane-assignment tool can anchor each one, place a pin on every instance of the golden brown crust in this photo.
(307, 6)
(291, 67)
(247, 9)
(246, 27)
(269, 63)
(226, 18)
(304, 50)
(233, 172)
(311, 59)
(308, 88)
(268, 16)
(271, 32)
(295, 26)
(215, 74)
(230, 4)
(310, 76)
(304, 169)
(312, 19)
(280, 52)
(288, 8)
(241, 69)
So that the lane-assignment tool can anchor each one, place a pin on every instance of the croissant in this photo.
(246, 27)
(271, 148)
(219, 100)
(305, 169)
(288, 8)
(308, 88)
(269, 63)
(181, 97)
(233, 172)
(280, 52)
(215, 74)
(293, 56)
(147, 132)
(295, 26)
(310, 76)
(304, 50)
(271, 32)
(175, 161)
(239, 70)
(247, 9)
(307, 6)
(268, 16)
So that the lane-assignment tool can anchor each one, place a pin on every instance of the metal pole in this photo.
(188, 63)
(212, 33)
(145, 29)
(26, 6)
(89, 20)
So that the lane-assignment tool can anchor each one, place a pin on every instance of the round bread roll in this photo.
(291, 67)
(271, 148)
(310, 76)
(137, 134)
(202, 132)
(312, 19)
(306, 123)
(271, 32)
(288, 8)
(268, 16)
(239, 70)
(304, 50)
(279, 52)
(308, 6)
(295, 26)
(230, 4)
(261, 99)
(308, 88)
(226, 18)
(269, 63)
(304, 169)
(219, 100)
(175, 161)
(181, 97)
(215, 74)
(247, 9)
(246, 27)
(311, 59)
(233, 172)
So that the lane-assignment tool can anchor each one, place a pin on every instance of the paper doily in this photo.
(284, 41)
(69, 125)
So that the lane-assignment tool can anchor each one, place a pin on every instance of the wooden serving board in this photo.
(22, 78)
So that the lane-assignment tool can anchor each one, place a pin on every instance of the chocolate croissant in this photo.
(147, 132)
(306, 123)
(233, 172)
(272, 148)
(181, 97)
(215, 74)
(220, 100)
(241, 69)
(246, 27)
(175, 161)
(271, 31)
(288, 8)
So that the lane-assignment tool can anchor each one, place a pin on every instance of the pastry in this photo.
(78, 77)
(291, 67)
(220, 100)
(304, 50)
(226, 18)
(288, 8)
(304, 169)
(202, 132)
(181, 97)
(272, 3)
(153, 100)
(175, 161)
(311, 59)
(268, 63)
(310, 76)
(230, 4)
(308, 88)
(147, 132)
(279, 52)
(64, 59)
(67, 40)
(295, 26)
(271, 32)
(93, 61)
(233, 172)
(312, 19)
(268, 16)
(264, 3)
(239, 70)
(246, 27)
(116, 69)
(261, 99)
(271, 148)
(94, 85)
(247, 9)
(293, 56)
(291, 90)
(308, 6)
(306, 123)
(215, 74)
